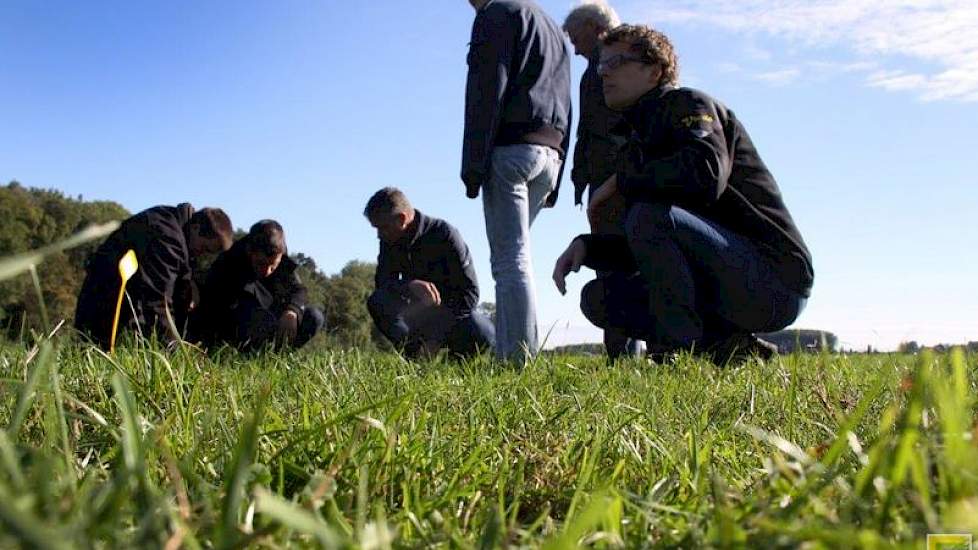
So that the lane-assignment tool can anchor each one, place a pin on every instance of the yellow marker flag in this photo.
(127, 268)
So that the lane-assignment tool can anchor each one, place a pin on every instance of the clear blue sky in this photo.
(866, 115)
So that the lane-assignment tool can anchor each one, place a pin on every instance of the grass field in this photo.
(343, 449)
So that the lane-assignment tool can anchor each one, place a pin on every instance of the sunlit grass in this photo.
(340, 448)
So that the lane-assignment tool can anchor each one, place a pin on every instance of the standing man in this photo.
(517, 130)
(711, 254)
(597, 146)
(166, 240)
(253, 296)
(426, 289)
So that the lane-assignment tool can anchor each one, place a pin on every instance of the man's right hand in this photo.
(570, 260)
(424, 293)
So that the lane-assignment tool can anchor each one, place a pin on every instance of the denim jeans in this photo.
(522, 178)
(436, 326)
(697, 283)
(612, 222)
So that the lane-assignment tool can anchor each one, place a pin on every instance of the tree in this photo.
(908, 347)
(34, 218)
(489, 310)
(344, 298)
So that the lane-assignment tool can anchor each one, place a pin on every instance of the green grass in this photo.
(342, 449)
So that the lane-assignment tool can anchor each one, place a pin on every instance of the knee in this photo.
(313, 318)
(593, 304)
(645, 219)
(375, 303)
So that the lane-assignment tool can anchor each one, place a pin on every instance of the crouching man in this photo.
(711, 254)
(166, 240)
(426, 289)
(253, 297)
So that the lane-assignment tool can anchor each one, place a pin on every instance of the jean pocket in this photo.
(515, 163)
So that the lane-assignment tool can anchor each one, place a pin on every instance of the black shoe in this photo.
(738, 348)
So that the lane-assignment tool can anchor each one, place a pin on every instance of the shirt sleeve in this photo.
(465, 295)
(607, 253)
(489, 59)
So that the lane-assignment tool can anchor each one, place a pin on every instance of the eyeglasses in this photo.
(618, 60)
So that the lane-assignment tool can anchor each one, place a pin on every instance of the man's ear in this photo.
(655, 75)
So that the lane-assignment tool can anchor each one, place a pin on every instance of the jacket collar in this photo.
(184, 212)
(636, 117)
(421, 224)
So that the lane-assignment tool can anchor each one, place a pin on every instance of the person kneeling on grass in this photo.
(711, 254)
(426, 288)
(253, 297)
(166, 240)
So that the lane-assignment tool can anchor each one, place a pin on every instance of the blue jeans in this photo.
(697, 283)
(434, 326)
(522, 178)
(612, 222)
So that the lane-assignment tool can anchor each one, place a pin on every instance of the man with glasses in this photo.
(711, 254)
(517, 128)
(597, 146)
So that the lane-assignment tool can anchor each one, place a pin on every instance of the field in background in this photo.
(342, 449)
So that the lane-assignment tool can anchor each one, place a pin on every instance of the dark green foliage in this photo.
(345, 305)
(33, 218)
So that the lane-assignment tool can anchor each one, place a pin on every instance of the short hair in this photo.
(213, 222)
(651, 45)
(267, 238)
(595, 11)
(387, 202)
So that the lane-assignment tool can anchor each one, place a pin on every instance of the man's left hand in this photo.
(288, 327)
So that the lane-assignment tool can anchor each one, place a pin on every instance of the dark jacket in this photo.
(433, 252)
(597, 144)
(230, 279)
(518, 86)
(162, 282)
(687, 149)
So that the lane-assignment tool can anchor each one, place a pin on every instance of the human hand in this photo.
(288, 327)
(424, 293)
(570, 260)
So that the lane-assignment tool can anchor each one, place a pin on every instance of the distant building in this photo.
(802, 340)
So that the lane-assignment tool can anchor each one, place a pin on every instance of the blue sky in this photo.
(865, 113)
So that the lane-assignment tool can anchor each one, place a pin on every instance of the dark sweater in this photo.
(433, 252)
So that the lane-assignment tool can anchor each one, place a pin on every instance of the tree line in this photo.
(37, 217)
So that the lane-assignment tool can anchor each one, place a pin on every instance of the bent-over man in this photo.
(711, 254)
(253, 297)
(166, 241)
(597, 145)
(426, 288)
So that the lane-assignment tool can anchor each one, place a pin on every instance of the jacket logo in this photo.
(697, 120)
